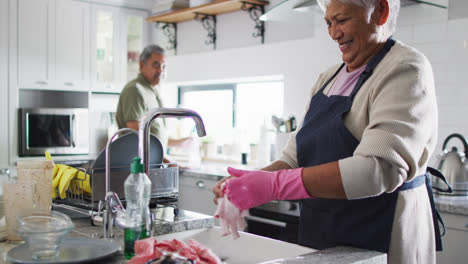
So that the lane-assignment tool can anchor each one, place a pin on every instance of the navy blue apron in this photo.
(364, 223)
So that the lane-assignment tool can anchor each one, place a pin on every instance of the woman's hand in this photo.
(252, 188)
(217, 189)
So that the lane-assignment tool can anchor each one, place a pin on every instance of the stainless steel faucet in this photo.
(114, 209)
(147, 120)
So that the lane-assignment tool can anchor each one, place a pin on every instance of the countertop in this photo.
(166, 223)
(452, 204)
(186, 220)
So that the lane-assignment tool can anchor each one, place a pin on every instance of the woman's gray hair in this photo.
(150, 49)
(393, 5)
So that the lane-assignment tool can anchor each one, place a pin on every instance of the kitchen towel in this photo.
(231, 218)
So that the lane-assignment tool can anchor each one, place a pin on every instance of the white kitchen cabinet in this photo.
(135, 31)
(195, 194)
(35, 43)
(72, 54)
(104, 46)
(455, 240)
(118, 36)
(53, 44)
(4, 162)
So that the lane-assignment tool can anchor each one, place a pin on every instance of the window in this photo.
(236, 111)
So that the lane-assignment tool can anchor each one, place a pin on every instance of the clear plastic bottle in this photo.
(137, 195)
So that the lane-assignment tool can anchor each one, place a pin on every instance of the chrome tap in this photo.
(145, 124)
(114, 208)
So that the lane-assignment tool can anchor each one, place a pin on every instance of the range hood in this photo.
(299, 11)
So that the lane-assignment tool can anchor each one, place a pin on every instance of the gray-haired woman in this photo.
(358, 163)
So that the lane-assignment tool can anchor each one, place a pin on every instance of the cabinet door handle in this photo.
(41, 82)
(200, 184)
(69, 84)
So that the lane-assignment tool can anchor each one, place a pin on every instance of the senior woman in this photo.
(358, 163)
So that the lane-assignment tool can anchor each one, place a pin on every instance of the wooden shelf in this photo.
(213, 8)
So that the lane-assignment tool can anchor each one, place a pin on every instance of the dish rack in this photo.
(164, 189)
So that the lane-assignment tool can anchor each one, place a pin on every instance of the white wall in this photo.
(4, 152)
(299, 53)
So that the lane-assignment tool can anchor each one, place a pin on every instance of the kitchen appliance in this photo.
(276, 219)
(454, 166)
(60, 131)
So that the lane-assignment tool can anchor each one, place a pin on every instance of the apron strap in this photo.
(436, 218)
(371, 65)
(331, 78)
(439, 175)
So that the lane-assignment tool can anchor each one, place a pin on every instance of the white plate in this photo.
(73, 250)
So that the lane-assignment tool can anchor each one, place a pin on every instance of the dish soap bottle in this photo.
(137, 195)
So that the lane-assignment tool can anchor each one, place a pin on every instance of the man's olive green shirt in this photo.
(136, 99)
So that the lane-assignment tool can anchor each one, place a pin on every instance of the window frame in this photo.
(210, 87)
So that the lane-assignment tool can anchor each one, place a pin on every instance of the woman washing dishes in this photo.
(358, 162)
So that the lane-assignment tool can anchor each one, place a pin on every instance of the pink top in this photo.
(345, 81)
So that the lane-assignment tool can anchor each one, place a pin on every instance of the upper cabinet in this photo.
(35, 45)
(104, 56)
(72, 44)
(119, 36)
(135, 38)
(53, 44)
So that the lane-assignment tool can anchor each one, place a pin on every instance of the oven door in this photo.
(274, 222)
(61, 131)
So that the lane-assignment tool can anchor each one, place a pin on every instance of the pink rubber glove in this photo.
(253, 188)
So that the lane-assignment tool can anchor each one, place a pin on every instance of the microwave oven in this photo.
(60, 131)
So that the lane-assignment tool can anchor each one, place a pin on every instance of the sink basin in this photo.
(247, 249)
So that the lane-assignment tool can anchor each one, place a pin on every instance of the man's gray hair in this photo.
(150, 49)
(393, 5)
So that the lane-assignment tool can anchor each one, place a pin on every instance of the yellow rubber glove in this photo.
(57, 177)
(67, 176)
(63, 176)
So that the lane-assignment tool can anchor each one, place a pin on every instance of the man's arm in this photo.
(132, 124)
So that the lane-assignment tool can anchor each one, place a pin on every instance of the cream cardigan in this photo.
(394, 117)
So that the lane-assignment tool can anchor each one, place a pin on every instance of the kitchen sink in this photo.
(247, 249)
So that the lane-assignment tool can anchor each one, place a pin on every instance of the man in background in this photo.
(141, 94)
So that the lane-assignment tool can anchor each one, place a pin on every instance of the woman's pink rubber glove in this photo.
(253, 188)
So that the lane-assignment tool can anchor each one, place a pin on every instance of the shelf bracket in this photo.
(170, 31)
(208, 23)
(255, 11)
